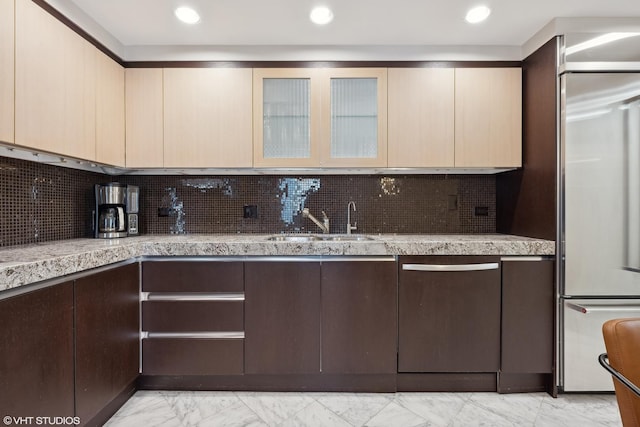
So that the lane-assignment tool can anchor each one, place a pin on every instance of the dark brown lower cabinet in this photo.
(527, 325)
(36, 353)
(449, 314)
(107, 341)
(359, 317)
(282, 317)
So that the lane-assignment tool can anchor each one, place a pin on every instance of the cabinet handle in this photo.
(194, 335)
(451, 267)
(176, 296)
(587, 308)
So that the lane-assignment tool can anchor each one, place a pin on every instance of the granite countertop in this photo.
(23, 265)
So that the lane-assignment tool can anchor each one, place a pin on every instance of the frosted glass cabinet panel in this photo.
(286, 119)
(286, 124)
(320, 117)
(355, 120)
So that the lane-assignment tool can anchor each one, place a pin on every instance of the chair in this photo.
(622, 341)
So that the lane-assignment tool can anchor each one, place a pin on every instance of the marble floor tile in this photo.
(253, 409)
(274, 408)
(355, 408)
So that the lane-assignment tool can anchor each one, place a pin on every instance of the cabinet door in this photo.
(527, 316)
(55, 85)
(207, 117)
(286, 114)
(109, 111)
(107, 338)
(36, 353)
(449, 321)
(359, 317)
(488, 119)
(144, 118)
(421, 111)
(282, 317)
(354, 117)
(7, 70)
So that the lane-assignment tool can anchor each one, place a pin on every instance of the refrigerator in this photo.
(599, 213)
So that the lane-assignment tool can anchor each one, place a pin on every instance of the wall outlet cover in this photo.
(250, 211)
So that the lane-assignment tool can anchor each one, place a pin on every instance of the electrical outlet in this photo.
(453, 202)
(250, 211)
(164, 212)
(481, 211)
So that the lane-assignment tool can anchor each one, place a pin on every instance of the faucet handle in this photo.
(324, 215)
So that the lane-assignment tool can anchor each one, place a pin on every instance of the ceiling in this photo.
(136, 24)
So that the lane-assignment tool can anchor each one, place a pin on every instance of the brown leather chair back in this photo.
(622, 340)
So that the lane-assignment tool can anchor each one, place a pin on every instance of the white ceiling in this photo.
(135, 25)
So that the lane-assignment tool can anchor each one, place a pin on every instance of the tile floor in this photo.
(226, 409)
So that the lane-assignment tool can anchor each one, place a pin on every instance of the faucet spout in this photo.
(350, 227)
(324, 225)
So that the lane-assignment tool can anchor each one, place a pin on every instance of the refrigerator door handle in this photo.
(588, 308)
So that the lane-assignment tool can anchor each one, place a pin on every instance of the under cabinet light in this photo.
(477, 14)
(321, 15)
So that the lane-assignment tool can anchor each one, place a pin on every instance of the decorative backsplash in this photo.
(43, 203)
(385, 204)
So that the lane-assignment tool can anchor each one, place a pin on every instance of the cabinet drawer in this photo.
(186, 356)
(192, 276)
(192, 316)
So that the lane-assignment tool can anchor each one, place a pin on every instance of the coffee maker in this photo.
(116, 213)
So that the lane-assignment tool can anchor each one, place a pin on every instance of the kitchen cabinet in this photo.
(527, 324)
(55, 93)
(144, 118)
(320, 117)
(107, 341)
(421, 117)
(449, 314)
(110, 143)
(36, 353)
(208, 117)
(282, 317)
(359, 317)
(192, 318)
(488, 117)
(7, 52)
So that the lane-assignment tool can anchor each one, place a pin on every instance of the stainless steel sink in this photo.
(290, 238)
(347, 238)
(313, 238)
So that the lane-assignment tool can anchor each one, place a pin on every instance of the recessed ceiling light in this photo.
(321, 15)
(187, 15)
(477, 14)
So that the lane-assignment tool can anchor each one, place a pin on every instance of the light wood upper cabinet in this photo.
(144, 118)
(421, 117)
(109, 111)
(488, 119)
(55, 96)
(320, 117)
(7, 70)
(208, 117)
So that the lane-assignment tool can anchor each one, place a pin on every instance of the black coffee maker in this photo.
(110, 220)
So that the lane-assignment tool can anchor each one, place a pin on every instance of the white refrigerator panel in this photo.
(601, 203)
(583, 341)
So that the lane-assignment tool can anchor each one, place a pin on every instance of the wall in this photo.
(392, 204)
(44, 203)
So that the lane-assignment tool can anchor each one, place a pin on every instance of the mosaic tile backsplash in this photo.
(43, 203)
(384, 204)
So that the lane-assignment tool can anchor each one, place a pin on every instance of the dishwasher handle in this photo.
(451, 267)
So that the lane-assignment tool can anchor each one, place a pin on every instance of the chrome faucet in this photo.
(324, 225)
(350, 227)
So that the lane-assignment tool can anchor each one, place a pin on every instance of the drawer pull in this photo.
(451, 267)
(607, 308)
(176, 296)
(196, 335)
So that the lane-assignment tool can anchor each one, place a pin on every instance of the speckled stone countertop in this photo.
(33, 263)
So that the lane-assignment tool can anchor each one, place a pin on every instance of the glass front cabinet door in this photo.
(318, 117)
